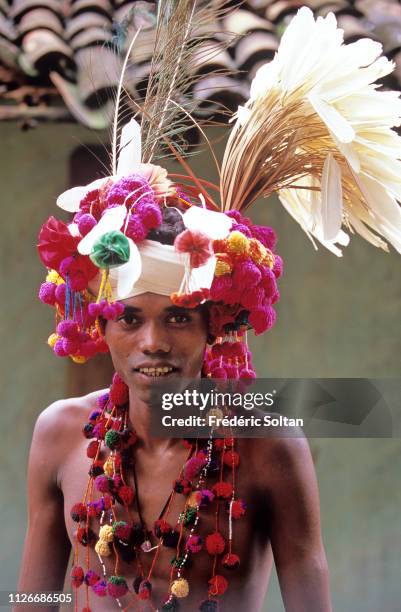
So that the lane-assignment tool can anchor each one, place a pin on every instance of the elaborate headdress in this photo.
(317, 131)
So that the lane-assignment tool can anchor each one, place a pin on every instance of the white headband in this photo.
(163, 272)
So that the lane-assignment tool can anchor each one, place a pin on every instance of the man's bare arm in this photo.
(47, 547)
(295, 530)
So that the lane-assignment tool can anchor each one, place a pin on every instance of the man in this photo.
(276, 479)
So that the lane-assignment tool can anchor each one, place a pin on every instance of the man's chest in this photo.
(155, 500)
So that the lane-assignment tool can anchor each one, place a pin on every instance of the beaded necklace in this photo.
(126, 539)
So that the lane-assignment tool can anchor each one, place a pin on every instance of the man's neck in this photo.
(140, 420)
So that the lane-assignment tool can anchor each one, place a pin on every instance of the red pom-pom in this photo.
(231, 561)
(126, 494)
(78, 512)
(144, 590)
(215, 543)
(77, 576)
(231, 458)
(218, 586)
(237, 508)
(182, 485)
(161, 527)
(118, 391)
(196, 244)
(223, 490)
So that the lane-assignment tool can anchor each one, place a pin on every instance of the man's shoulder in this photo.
(282, 449)
(63, 418)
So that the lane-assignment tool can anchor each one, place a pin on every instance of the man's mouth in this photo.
(153, 372)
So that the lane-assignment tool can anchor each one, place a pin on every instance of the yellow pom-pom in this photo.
(193, 499)
(109, 467)
(52, 339)
(106, 533)
(78, 358)
(222, 267)
(54, 277)
(180, 587)
(217, 413)
(238, 243)
(257, 250)
(102, 548)
(269, 259)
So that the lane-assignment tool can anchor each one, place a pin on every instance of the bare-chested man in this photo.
(276, 478)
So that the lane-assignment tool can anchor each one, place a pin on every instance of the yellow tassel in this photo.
(78, 358)
(269, 259)
(52, 339)
(180, 588)
(222, 267)
(257, 250)
(109, 467)
(193, 499)
(106, 533)
(238, 243)
(54, 277)
(102, 548)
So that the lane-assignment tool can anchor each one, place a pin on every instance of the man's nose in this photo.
(154, 339)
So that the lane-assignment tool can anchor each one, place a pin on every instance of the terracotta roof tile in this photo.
(56, 60)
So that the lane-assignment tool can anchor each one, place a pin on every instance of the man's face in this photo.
(154, 340)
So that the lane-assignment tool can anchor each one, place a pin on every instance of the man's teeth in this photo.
(156, 371)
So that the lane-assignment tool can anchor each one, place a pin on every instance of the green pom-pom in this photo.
(170, 606)
(112, 439)
(190, 516)
(111, 249)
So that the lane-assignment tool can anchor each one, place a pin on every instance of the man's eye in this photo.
(128, 319)
(179, 318)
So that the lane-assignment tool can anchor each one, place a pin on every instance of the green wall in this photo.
(336, 318)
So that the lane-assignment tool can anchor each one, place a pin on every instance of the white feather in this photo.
(332, 198)
(334, 121)
(129, 156)
(69, 200)
(214, 224)
(128, 273)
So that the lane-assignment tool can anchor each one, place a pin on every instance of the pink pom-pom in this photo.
(262, 319)
(221, 288)
(71, 346)
(78, 281)
(100, 588)
(103, 483)
(65, 265)
(58, 348)
(150, 215)
(68, 329)
(275, 297)
(268, 282)
(239, 227)
(247, 374)
(265, 235)
(119, 308)
(47, 293)
(219, 373)
(109, 312)
(253, 298)
(231, 371)
(194, 466)
(88, 348)
(136, 229)
(60, 294)
(246, 274)
(94, 310)
(216, 350)
(194, 543)
(278, 266)
(86, 222)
